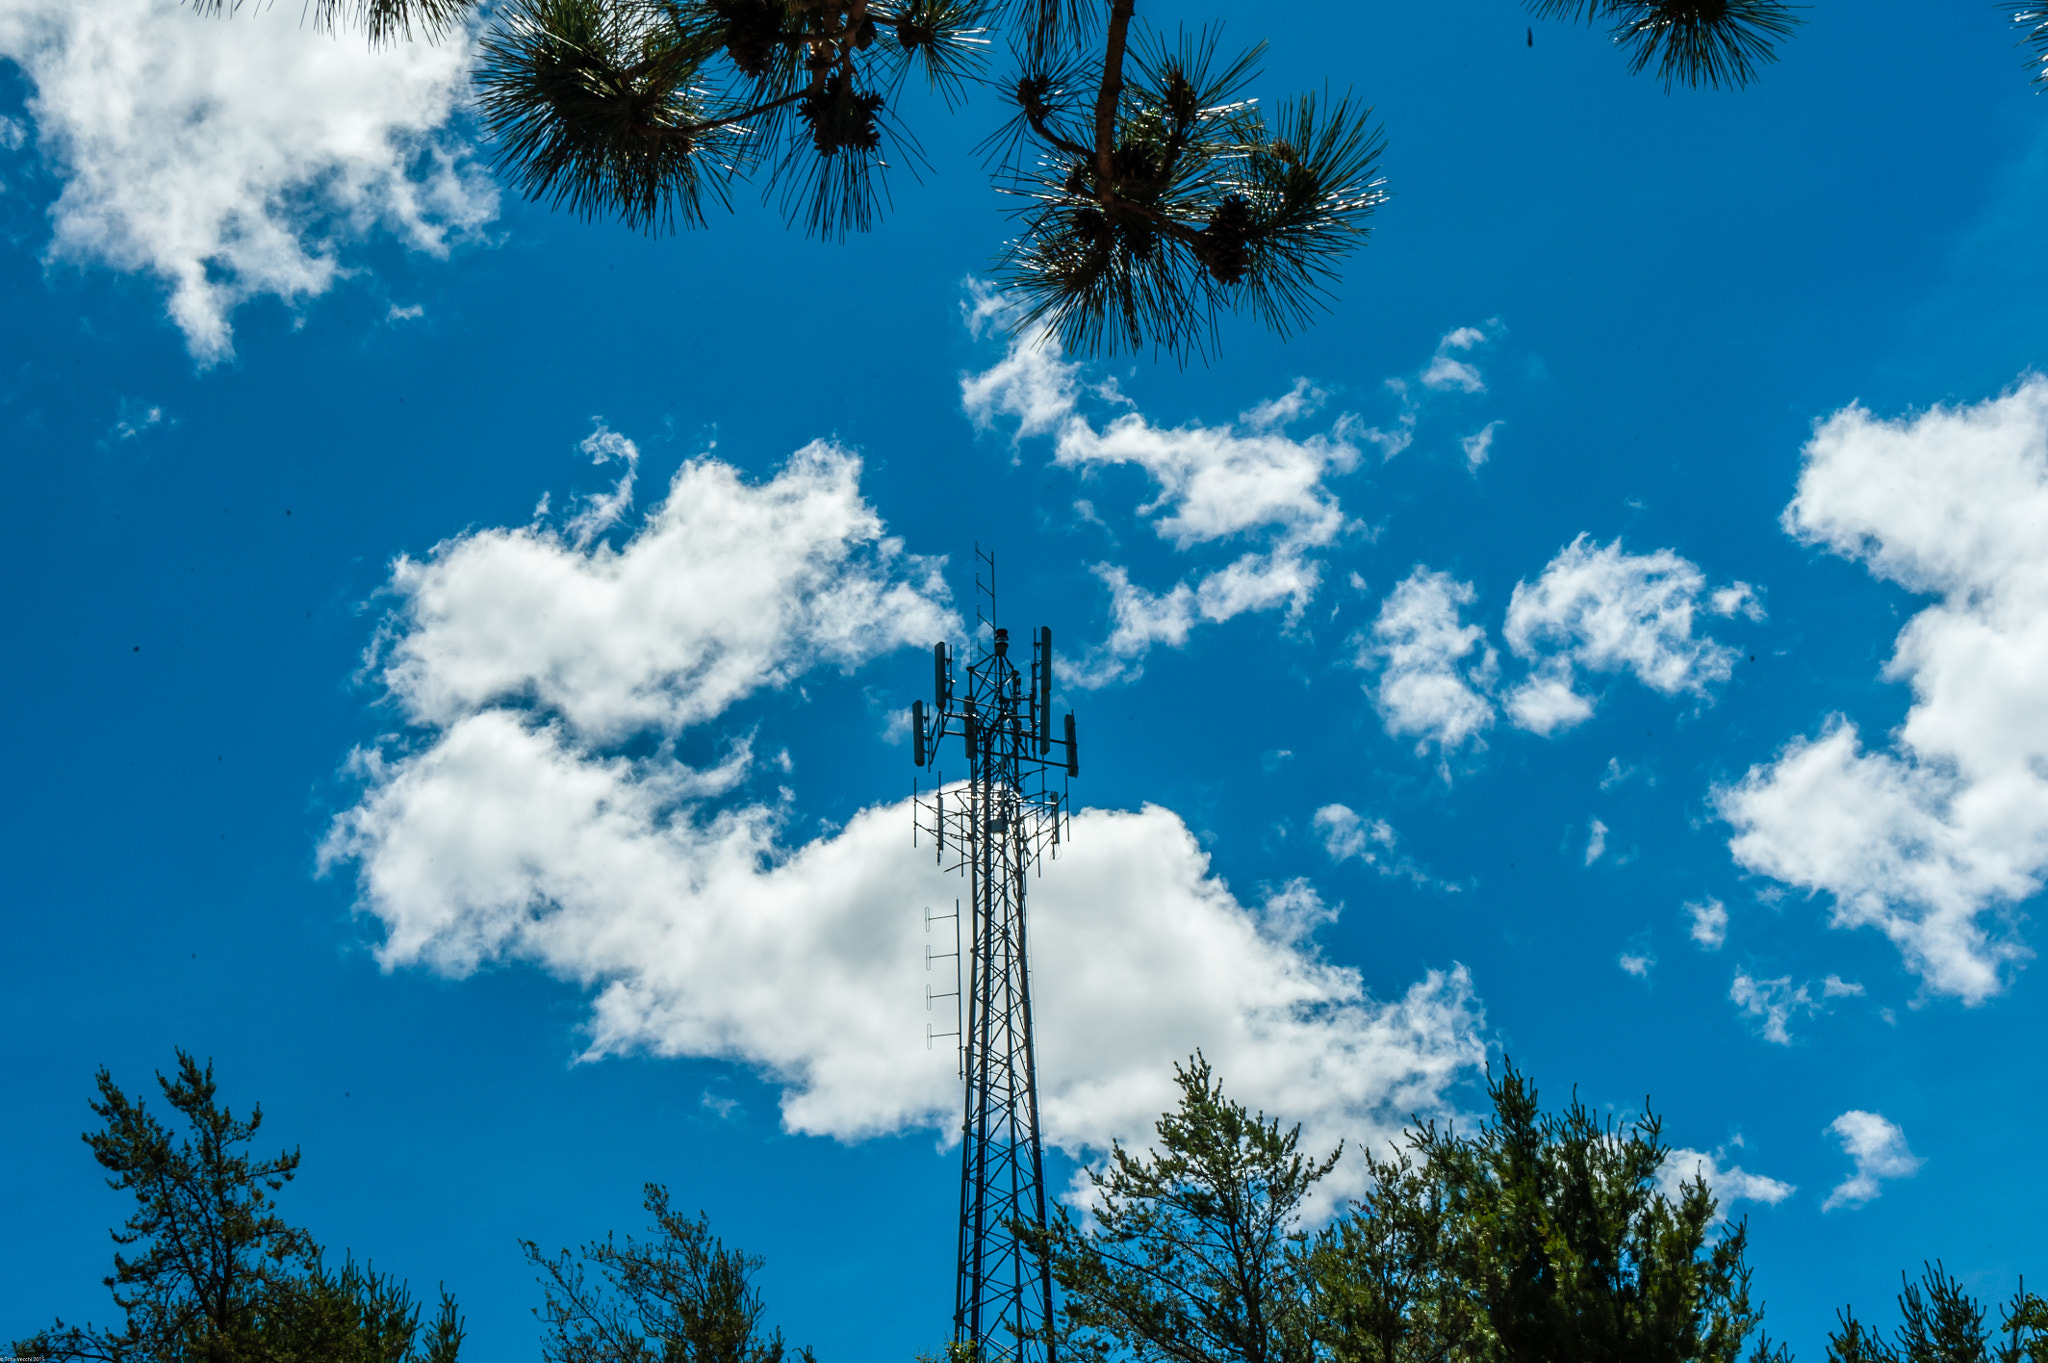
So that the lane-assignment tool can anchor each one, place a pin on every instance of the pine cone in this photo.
(841, 116)
(1221, 246)
(753, 32)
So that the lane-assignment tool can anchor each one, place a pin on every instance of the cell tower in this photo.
(1001, 823)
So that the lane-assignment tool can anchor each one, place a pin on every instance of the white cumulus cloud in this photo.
(1935, 838)
(1140, 618)
(527, 820)
(725, 588)
(1878, 1148)
(238, 158)
(1598, 609)
(1707, 923)
(1434, 669)
(1218, 482)
(1729, 1185)
(1246, 483)
(1347, 834)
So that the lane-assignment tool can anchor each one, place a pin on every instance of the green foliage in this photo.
(1385, 1277)
(1851, 1343)
(354, 1316)
(207, 1272)
(1183, 204)
(682, 1297)
(1155, 195)
(1721, 43)
(1196, 1256)
(1940, 1322)
(595, 106)
(1539, 1237)
(640, 108)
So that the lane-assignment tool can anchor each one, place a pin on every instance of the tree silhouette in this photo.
(206, 1271)
(1152, 194)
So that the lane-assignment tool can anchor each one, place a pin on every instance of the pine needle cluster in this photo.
(1156, 201)
(2032, 22)
(1716, 43)
(1155, 195)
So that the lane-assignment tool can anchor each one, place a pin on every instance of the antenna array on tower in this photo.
(994, 827)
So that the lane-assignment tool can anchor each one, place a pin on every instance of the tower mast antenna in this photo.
(1001, 823)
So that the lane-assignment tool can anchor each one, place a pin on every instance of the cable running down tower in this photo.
(996, 826)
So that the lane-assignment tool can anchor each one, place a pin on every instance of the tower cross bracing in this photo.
(995, 828)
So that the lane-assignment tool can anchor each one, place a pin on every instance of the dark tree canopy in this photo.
(208, 1272)
(1715, 43)
(680, 1297)
(1153, 193)
(1538, 1238)
(1552, 1235)
(1940, 1322)
(1196, 1254)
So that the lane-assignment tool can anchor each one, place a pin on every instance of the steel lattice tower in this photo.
(995, 827)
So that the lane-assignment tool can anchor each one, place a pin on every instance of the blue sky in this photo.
(1686, 744)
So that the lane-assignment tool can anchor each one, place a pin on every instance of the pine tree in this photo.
(1940, 1322)
(1539, 1238)
(207, 1271)
(1197, 1255)
(1386, 1290)
(681, 1297)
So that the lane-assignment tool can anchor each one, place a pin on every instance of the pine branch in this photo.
(2032, 21)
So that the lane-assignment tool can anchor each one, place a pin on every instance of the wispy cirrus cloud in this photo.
(1452, 371)
(1771, 1005)
(1347, 835)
